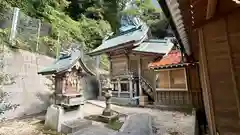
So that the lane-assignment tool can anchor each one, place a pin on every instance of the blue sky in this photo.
(156, 4)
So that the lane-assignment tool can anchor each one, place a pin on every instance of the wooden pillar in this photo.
(119, 87)
(128, 63)
(110, 68)
(154, 86)
(131, 87)
(207, 93)
(139, 76)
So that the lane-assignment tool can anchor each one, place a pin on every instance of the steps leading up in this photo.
(147, 88)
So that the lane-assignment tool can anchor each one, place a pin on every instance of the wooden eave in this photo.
(156, 68)
(147, 53)
(111, 49)
(172, 11)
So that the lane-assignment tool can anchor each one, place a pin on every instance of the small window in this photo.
(171, 79)
(177, 79)
(163, 79)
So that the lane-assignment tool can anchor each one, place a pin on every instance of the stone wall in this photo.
(29, 89)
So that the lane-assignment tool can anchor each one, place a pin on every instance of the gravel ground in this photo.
(31, 126)
(20, 127)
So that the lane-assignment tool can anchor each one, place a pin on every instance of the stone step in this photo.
(94, 130)
(73, 126)
(137, 124)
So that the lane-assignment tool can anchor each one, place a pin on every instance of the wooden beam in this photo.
(206, 87)
(211, 8)
(139, 75)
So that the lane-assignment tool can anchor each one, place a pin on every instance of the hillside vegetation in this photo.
(85, 22)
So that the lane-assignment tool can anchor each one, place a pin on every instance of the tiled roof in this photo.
(132, 36)
(155, 46)
(172, 58)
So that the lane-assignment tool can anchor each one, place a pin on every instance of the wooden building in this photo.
(209, 31)
(177, 81)
(72, 79)
(130, 53)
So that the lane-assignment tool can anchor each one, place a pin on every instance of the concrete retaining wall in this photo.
(29, 89)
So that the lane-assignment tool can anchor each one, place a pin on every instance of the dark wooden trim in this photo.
(147, 53)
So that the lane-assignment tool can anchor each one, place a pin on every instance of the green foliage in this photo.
(84, 30)
(86, 22)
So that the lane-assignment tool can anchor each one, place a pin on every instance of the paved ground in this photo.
(164, 122)
(137, 124)
(95, 130)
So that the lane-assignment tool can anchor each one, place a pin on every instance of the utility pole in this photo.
(58, 45)
(14, 26)
(37, 46)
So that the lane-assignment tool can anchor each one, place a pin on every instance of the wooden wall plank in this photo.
(221, 76)
(233, 30)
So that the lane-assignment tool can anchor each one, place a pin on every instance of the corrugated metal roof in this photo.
(155, 46)
(133, 36)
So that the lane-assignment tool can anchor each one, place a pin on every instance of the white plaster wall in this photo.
(29, 90)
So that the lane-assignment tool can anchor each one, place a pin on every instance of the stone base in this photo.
(56, 115)
(74, 125)
(121, 100)
(137, 124)
(108, 119)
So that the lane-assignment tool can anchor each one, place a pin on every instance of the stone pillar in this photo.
(107, 110)
(119, 87)
(131, 87)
